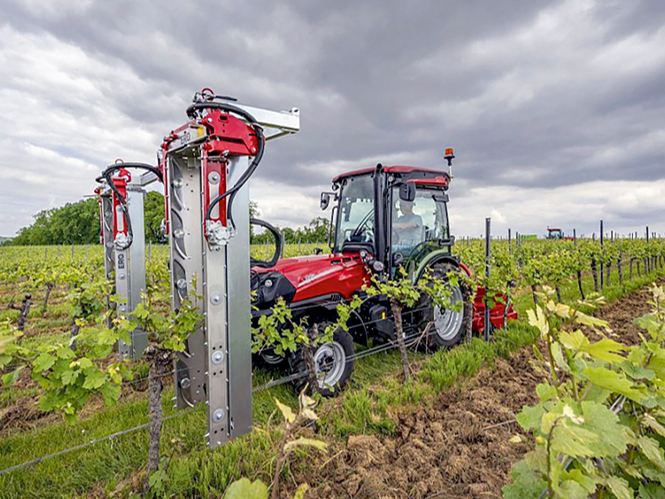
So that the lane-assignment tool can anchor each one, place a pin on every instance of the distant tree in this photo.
(74, 223)
(153, 210)
(78, 223)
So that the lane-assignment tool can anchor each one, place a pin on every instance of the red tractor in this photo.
(384, 218)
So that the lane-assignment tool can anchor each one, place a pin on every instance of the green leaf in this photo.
(605, 349)
(651, 422)
(286, 411)
(12, 377)
(651, 491)
(573, 341)
(111, 393)
(570, 489)
(525, 482)
(588, 483)
(537, 319)
(530, 417)
(244, 489)
(43, 362)
(93, 379)
(69, 377)
(301, 491)
(65, 353)
(4, 360)
(614, 381)
(612, 436)
(652, 451)
(303, 441)
(545, 391)
(591, 321)
(572, 440)
(619, 487)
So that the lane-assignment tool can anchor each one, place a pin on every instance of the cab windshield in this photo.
(355, 221)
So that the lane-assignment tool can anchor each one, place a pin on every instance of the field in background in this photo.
(26, 433)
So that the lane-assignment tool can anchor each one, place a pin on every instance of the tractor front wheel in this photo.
(333, 364)
(448, 325)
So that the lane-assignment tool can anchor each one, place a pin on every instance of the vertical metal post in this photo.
(575, 238)
(487, 275)
(601, 266)
(647, 233)
(130, 271)
(510, 245)
(217, 365)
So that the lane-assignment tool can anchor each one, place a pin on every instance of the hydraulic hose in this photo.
(279, 243)
(106, 175)
(231, 193)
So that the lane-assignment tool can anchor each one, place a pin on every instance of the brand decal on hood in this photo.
(312, 277)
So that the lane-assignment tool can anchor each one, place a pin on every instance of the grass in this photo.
(368, 406)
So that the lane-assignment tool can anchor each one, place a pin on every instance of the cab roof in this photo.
(400, 169)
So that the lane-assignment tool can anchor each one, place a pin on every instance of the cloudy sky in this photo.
(556, 109)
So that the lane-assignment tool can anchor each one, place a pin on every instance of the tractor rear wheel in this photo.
(449, 325)
(333, 363)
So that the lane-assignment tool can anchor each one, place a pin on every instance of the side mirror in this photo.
(325, 200)
(407, 191)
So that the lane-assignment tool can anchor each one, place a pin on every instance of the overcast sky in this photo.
(556, 109)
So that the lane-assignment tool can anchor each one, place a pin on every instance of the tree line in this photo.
(78, 223)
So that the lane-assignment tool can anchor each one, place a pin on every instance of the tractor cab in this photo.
(553, 233)
(391, 215)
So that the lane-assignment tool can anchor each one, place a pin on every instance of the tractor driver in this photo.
(408, 226)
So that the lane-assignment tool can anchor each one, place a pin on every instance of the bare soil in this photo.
(458, 448)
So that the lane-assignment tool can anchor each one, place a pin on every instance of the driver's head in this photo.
(406, 207)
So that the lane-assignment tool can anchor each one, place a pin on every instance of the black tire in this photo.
(340, 352)
(449, 327)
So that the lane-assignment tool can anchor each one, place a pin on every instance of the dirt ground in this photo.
(461, 447)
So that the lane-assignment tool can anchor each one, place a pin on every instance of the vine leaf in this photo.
(613, 381)
(244, 489)
(303, 441)
(286, 411)
(619, 487)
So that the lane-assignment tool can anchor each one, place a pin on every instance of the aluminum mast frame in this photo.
(125, 264)
(199, 161)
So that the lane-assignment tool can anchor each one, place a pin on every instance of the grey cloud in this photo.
(525, 105)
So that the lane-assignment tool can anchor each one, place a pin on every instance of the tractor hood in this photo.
(321, 275)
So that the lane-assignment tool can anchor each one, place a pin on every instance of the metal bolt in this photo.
(214, 177)
(215, 299)
(218, 415)
(181, 283)
(217, 357)
(177, 183)
(185, 383)
(179, 233)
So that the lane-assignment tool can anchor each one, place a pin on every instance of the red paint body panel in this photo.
(390, 169)
(319, 275)
(499, 313)
(438, 181)
(120, 181)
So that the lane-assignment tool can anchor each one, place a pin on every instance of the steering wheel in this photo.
(367, 223)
